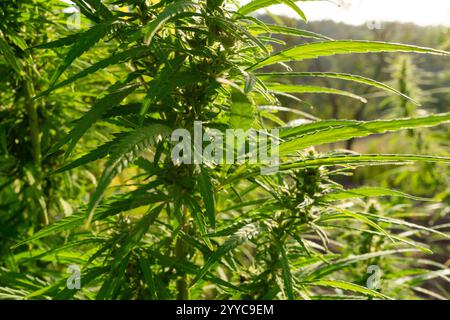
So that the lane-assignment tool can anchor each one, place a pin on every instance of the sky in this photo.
(357, 12)
(422, 12)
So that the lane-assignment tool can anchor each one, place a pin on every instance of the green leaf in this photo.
(339, 216)
(207, 193)
(228, 245)
(312, 126)
(329, 48)
(130, 54)
(85, 122)
(82, 44)
(134, 236)
(233, 27)
(407, 224)
(344, 285)
(366, 220)
(358, 160)
(243, 234)
(9, 56)
(353, 160)
(290, 88)
(242, 111)
(15, 38)
(286, 273)
(148, 276)
(272, 28)
(369, 192)
(190, 268)
(165, 81)
(90, 275)
(170, 11)
(120, 204)
(70, 39)
(66, 223)
(98, 153)
(258, 4)
(125, 152)
(354, 129)
(341, 76)
(325, 269)
(199, 220)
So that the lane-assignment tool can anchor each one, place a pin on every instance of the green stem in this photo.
(181, 254)
(33, 122)
(31, 109)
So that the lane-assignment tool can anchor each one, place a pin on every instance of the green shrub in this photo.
(154, 229)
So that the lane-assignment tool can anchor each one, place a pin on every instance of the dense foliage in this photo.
(87, 106)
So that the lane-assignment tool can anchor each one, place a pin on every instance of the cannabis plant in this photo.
(145, 226)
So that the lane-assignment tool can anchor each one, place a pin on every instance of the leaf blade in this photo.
(206, 191)
(356, 129)
(341, 76)
(329, 48)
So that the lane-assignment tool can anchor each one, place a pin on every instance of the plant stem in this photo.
(181, 252)
(31, 110)
(33, 122)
